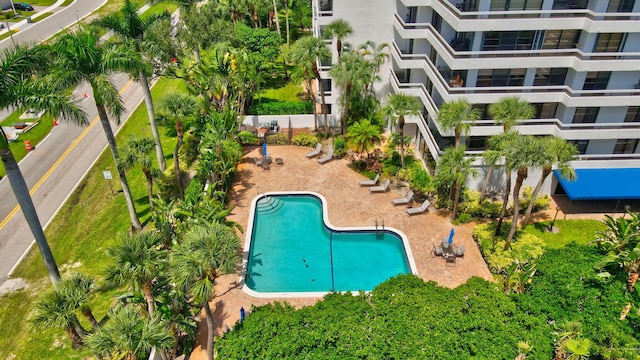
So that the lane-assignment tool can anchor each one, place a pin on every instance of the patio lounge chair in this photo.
(458, 251)
(403, 201)
(327, 157)
(370, 182)
(419, 210)
(315, 152)
(379, 189)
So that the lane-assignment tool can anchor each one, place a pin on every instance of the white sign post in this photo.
(107, 175)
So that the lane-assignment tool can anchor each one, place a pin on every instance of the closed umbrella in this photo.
(451, 236)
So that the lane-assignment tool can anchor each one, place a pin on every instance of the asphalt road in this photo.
(59, 162)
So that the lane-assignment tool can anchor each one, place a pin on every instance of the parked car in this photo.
(23, 6)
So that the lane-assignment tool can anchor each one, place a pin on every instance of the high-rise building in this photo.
(576, 61)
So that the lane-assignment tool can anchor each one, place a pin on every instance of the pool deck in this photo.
(348, 205)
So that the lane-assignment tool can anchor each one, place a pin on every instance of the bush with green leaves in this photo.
(524, 248)
(339, 147)
(419, 179)
(486, 210)
(305, 140)
(248, 138)
(277, 139)
(541, 203)
(281, 108)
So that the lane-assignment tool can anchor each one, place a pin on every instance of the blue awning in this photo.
(623, 183)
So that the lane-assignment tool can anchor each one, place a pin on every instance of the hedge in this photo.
(281, 108)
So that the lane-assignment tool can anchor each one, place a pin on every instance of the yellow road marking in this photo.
(57, 163)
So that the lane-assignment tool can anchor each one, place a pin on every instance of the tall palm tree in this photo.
(500, 144)
(491, 158)
(138, 261)
(399, 106)
(306, 52)
(205, 253)
(129, 26)
(79, 289)
(338, 29)
(81, 58)
(353, 72)
(20, 88)
(459, 168)
(561, 153)
(458, 116)
(507, 112)
(177, 107)
(377, 54)
(362, 136)
(130, 336)
(521, 154)
(136, 152)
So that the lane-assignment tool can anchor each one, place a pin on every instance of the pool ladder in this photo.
(382, 224)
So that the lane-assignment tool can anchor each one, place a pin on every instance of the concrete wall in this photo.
(297, 121)
(5, 4)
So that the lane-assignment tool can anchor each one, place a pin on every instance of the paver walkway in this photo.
(348, 205)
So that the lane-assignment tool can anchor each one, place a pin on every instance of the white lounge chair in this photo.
(370, 182)
(327, 157)
(458, 251)
(403, 201)
(419, 210)
(315, 152)
(383, 188)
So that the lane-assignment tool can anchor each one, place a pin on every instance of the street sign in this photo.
(107, 175)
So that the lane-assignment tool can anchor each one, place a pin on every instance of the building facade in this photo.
(576, 61)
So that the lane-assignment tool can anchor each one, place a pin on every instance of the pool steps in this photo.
(268, 205)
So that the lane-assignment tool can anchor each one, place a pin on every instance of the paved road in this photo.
(60, 161)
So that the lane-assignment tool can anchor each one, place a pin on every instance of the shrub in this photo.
(541, 203)
(524, 247)
(9, 15)
(277, 139)
(464, 218)
(248, 138)
(339, 147)
(194, 190)
(189, 151)
(419, 178)
(485, 210)
(167, 185)
(305, 140)
(281, 108)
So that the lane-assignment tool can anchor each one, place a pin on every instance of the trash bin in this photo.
(29, 21)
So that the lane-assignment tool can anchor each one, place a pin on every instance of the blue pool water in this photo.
(292, 250)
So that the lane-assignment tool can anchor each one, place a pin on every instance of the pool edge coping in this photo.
(325, 219)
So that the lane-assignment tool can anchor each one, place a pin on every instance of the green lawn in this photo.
(42, 16)
(160, 7)
(78, 236)
(289, 92)
(41, 2)
(7, 34)
(580, 231)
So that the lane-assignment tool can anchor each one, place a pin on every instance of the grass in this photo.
(85, 226)
(579, 231)
(67, 2)
(160, 7)
(40, 2)
(42, 16)
(289, 92)
(7, 34)
(36, 135)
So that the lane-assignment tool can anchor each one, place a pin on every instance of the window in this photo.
(326, 86)
(477, 143)
(585, 115)
(581, 145)
(508, 40)
(326, 109)
(550, 76)
(570, 4)
(500, 77)
(633, 114)
(326, 5)
(560, 39)
(436, 21)
(483, 109)
(609, 42)
(621, 6)
(625, 146)
(546, 110)
(596, 80)
(503, 5)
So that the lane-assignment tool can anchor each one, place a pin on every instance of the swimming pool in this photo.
(291, 250)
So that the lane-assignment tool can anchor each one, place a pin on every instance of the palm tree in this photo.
(306, 52)
(459, 168)
(205, 253)
(458, 115)
(377, 54)
(521, 154)
(129, 26)
(353, 72)
(561, 153)
(338, 29)
(136, 152)
(507, 112)
(286, 16)
(491, 158)
(57, 307)
(362, 136)
(79, 58)
(130, 336)
(137, 260)
(19, 88)
(399, 106)
(177, 107)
